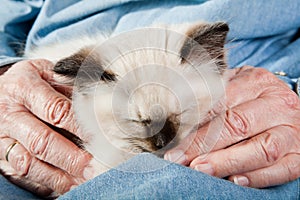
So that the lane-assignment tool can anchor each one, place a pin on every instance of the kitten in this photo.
(143, 90)
(139, 91)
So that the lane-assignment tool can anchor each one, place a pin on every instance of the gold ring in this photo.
(9, 148)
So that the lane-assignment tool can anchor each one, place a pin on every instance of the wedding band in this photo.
(9, 148)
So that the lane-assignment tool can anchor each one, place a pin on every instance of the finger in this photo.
(47, 145)
(266, 149)
(39, 97)
(286, 170)
(33, 169)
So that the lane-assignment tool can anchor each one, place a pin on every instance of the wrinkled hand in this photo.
(255, 140)
(43, 156)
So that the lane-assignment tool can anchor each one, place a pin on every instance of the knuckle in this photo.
(270, 147)
(39, 144)
(23, 163)
(58, 111)
(236, 124)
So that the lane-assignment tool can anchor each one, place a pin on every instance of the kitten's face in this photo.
(145, 90)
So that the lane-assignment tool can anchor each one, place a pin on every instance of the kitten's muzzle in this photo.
(162, 134)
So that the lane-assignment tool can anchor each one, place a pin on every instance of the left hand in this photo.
(259, 142)
(33, 113)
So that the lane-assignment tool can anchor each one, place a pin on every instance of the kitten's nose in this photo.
(166, 134)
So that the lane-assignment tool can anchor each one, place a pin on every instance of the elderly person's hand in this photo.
(255, 140)
(29, 148)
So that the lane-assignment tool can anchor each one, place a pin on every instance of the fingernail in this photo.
(176, 156)
(205, 168)
(241, 180)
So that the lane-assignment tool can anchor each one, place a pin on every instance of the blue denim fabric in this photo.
(148, 177)
(16, 19)
(8, 191)
(262, 33)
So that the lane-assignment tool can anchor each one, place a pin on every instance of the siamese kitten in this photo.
(143, 90)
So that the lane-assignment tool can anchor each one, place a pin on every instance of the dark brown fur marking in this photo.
(161, 139)
(211, 37)
(166, 134)
(85, 66)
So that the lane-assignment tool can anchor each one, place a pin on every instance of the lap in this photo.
(146, 176)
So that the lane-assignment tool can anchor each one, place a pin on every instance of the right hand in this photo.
(43, 157)
(253, 138)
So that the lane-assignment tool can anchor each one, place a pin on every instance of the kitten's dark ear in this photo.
(70, 66)
(85, 67)
(210, 37)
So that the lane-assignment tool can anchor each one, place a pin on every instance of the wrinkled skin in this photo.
(259, 143)
(26, 100)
